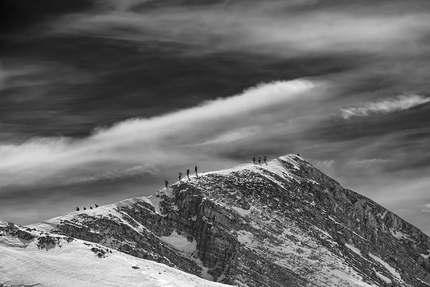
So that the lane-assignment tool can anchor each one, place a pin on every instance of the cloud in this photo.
(352, 165)
(150, 145)
(273, 28)
(426, 208)
(116, 174)
(369, 162)
(230, 137)
(324, 164)
(385, 106)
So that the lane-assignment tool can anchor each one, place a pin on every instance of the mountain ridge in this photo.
(281, 224)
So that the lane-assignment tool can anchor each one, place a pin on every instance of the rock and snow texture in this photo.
(281, 224)
(31, 258)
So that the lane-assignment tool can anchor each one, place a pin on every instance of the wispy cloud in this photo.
(167, 140)
(324, 164)
(366, 163)
(385, 106)
(426, 208)
(116, 174)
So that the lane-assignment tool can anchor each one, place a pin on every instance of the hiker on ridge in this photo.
(253, 160)
(265, 160)
(259, 160)
(180, 176)
(188, 174)
(166, 183)
(195, 169)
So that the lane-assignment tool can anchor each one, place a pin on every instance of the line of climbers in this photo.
(259, 160)
(166, 183)
(77, 208)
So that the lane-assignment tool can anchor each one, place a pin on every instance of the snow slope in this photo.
(24, 263)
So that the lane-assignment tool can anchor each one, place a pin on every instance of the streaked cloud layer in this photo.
(272, 27)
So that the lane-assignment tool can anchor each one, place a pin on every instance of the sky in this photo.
(104, 100)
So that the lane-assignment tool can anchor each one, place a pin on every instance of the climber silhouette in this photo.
(91, 207)
(253, 160)
(96, 205)
(180, 176)
(188, 174)
(77, 208)
(85, 208)
(195, 169)
(259, 160)
(265, 160)
(166, 183)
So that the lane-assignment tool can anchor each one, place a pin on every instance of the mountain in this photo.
(281, 224)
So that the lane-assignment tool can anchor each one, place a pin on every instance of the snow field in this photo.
(74, 264)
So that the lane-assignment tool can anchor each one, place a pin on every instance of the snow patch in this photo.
(426, 256)
(383, 215)
(289, 159)
(155, 202)
(386, 279)
(353, 248)
(322, 231)
(245, 237)
(423, 282)
(357, 281)
(242, 211)
(399, 235)
(387, 266)
(180, 242)
(313, 181)
(355, 233)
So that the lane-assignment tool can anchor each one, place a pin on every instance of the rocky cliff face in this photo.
(281, 224)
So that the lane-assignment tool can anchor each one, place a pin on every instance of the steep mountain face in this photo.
(281, 224)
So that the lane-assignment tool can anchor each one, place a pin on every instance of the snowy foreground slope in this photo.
(281, 224)
(31, 258)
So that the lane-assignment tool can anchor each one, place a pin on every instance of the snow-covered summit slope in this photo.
(281, 224)
(33, 258)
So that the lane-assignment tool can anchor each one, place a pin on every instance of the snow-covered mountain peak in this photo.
(284, 223)
(281, 167)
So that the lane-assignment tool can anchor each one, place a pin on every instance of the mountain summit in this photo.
(281, 224)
